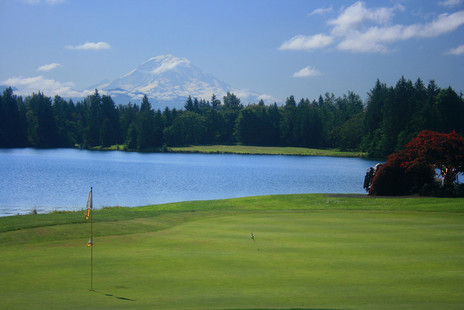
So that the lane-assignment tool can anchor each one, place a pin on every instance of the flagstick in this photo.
(91, 238)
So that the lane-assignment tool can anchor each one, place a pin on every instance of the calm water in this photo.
(49, 180)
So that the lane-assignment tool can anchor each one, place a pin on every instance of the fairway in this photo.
(314, 253)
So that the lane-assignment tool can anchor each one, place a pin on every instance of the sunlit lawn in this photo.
(310, 252)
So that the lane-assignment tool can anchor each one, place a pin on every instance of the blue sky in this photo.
(277, 47)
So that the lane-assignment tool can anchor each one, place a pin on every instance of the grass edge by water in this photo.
(265, 150)
(289, 203)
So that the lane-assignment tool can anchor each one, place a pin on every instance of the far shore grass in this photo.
(242, 149)
(311, 251)
(264, 150)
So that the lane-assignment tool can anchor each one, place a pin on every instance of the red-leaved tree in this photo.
(392, 179)
(405, 172)
(443, 151)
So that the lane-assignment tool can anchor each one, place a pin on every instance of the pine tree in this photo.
(94, 120)
(13, 124)
(42, 129)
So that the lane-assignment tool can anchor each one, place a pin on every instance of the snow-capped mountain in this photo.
(168, 81)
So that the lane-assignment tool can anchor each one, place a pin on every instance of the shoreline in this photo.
(225, 149)
(263, 150)
(170, 206)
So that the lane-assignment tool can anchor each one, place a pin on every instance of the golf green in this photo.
(299, 259)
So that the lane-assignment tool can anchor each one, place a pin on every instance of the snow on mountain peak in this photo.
(169, 80)
(163, 63)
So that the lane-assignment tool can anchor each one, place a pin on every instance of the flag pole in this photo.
(89, 216)
(91, 239)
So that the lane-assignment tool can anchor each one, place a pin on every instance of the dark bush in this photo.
(393, 179)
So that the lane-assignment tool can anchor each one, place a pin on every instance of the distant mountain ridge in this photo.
(168, 80)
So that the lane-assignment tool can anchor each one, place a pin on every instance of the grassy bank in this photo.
(263, 150)
(241, 149)
(310, 252)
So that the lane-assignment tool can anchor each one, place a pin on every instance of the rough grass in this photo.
(310, 252)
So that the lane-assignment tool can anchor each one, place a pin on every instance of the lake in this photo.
(60, 179)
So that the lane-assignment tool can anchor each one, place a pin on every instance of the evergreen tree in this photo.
(158, 139)
(67, 126)
(146, 126)
(350, 133)
(215, 103)
(131, 137)
(274, 119)
(374, 111)
(196, 105)
(215, 126)
(231, 102)
(397, 121)
(288, 122)
(450, 111)
(42, 129)
(80, 117)
(113, 130)
(417, 120)
(167, 117)
(127, 117)
(188, 129)
(189, 104)
(346, 133)
(429, 111)
(308, 124)
(373, 122)
(250, 126)
(13, 124)
(106, 133)
(94, 120)
(327, 112)
(230, 110)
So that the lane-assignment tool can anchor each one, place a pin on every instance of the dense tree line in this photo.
(390, 118)
(395, 115)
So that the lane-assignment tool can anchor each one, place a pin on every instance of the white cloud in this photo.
(374, 39)
(306, 72)
(31, 2)
(89, 46)
(450, 3)
(443, 24)
(37, 2)
(321, 11)
(307, 43)
(360, 29)
(268, 99)
(49, 67)
(456, 51)
(27, 86)
(355, 45)
(353, 17)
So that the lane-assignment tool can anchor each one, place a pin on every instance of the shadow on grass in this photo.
(117, 297)
(128, 299)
